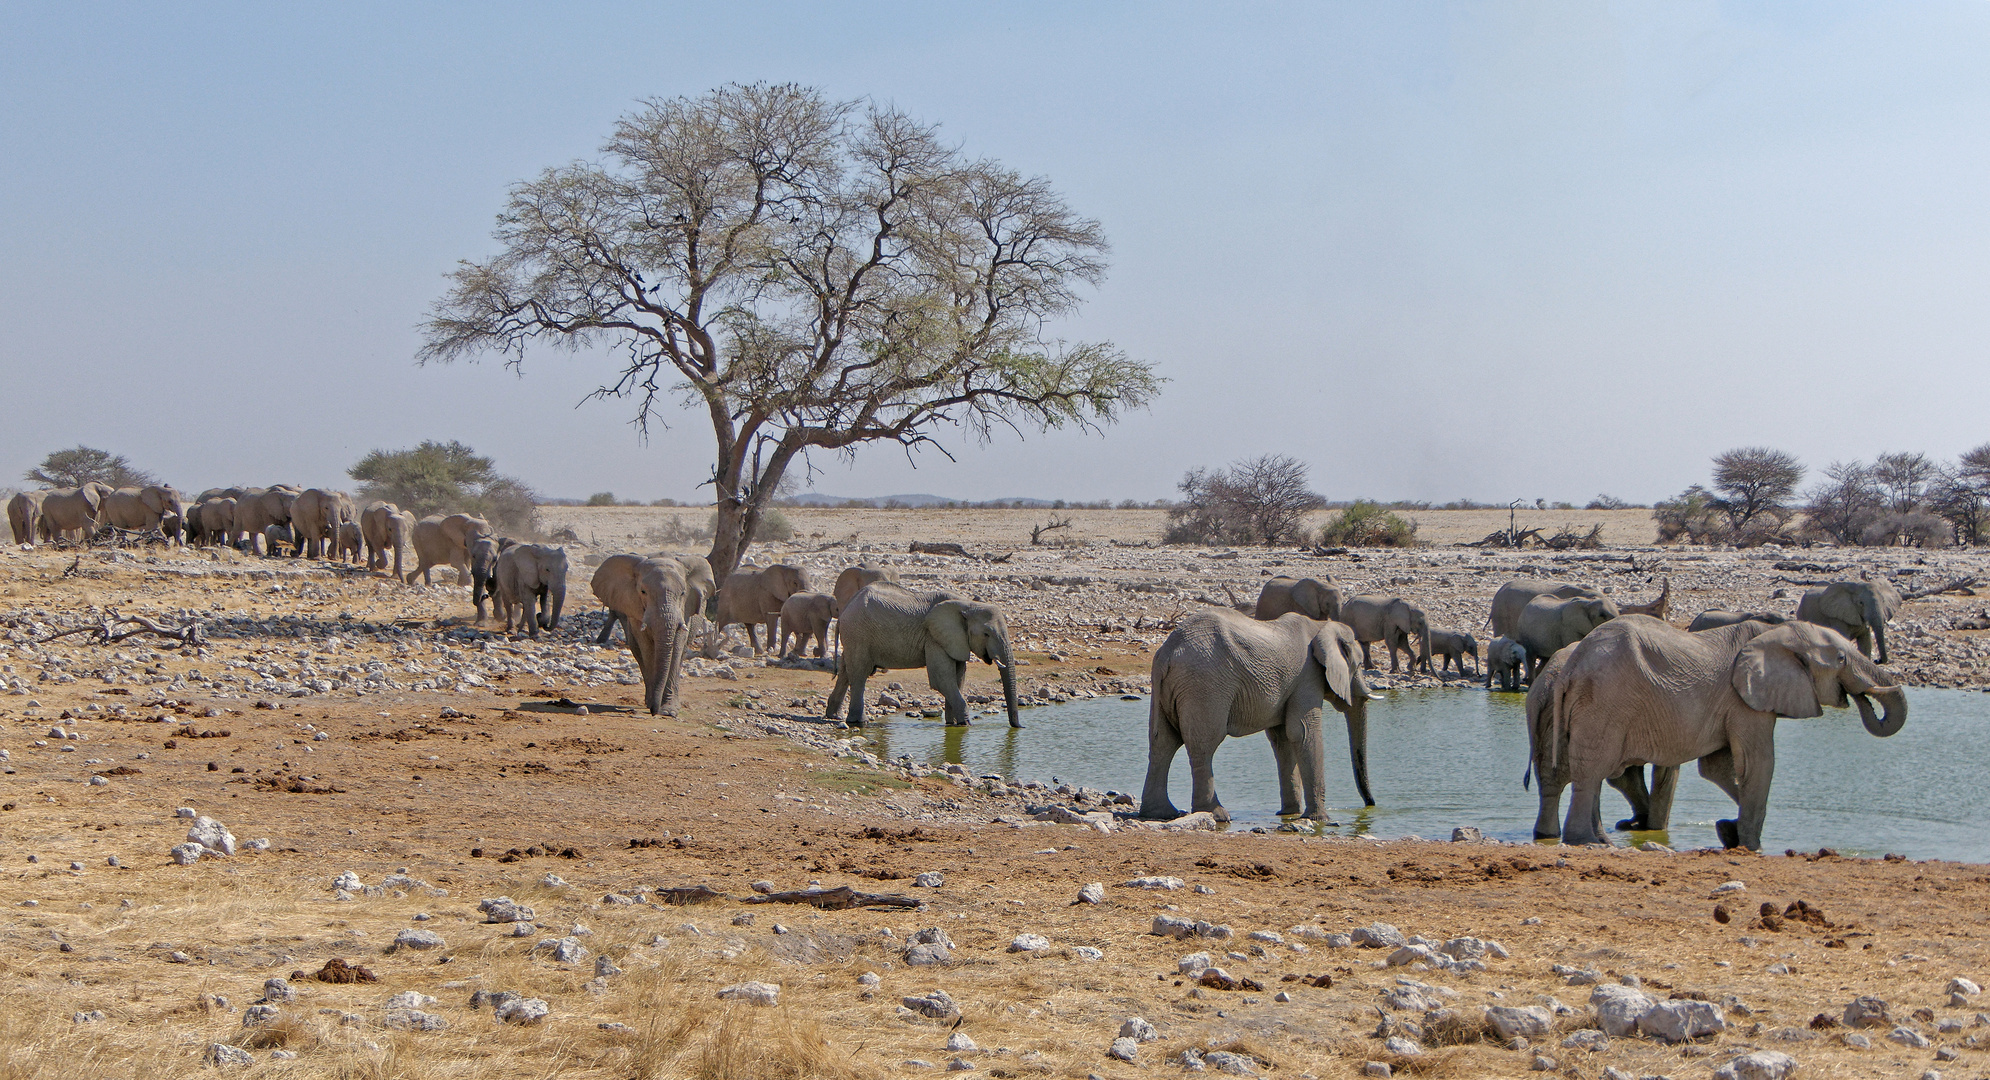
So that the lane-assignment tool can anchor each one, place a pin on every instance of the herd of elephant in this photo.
(1609, 691)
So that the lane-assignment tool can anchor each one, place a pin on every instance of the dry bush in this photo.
(1454, 1027)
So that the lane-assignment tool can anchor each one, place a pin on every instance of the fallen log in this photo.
(956, 550)
(836, 899)
(688, 894)
(108, 634)
(1953, 586)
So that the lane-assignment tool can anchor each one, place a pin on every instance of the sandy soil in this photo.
(746, 786)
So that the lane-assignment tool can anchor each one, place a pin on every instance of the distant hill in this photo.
(814, 499)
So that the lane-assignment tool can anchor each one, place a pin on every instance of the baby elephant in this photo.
(531, 576)
(351, 546)
(1454, 648)
(1506, 660)
(805, 615)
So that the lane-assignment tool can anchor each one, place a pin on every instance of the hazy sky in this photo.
(1435, 251)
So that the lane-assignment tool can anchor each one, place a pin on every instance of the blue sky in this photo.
(1435, 251)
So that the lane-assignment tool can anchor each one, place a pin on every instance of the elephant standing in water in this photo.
(1651, 808)
(1548, 625)
(1223, 673)
(1859, 610)
(1393, 621)
(1506, 662)
(888, 626)
(1640, 691)
(1310, 597)
(649, 598)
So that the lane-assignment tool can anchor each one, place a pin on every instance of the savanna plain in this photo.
(405, 765)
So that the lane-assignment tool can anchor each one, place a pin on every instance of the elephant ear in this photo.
(1843, 605)
(946, 626)
(1330, 652)
(1773, 672)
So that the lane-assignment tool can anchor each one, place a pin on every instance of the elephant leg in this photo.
(1631, 785)
(1718, 769)
(1287, 764)
(1547, 820)
(674, 672)
(1664, 785)
(607, 629)
(944, 673)
(1307, 746)
(1367, 661)
(1584, 823)
(1164, 739)
(1202, 776)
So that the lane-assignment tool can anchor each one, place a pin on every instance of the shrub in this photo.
(1368, 524)
(1607, 502)
(601, 498)
(1262, 501)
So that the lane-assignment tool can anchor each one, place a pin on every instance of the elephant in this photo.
(1709, 620)
(351, 544)
(1506, 661)
(141, 508)
(385, 527)
(1310, 597)
(1393, 621)
(754, 597)
(256, 509)
(649, 597)
(1454, 647)
(220, 493)
(805, 615)
(1548, 624)
(529, 577)
(1553, 775)
(1222, 673)
(24, 515)
(315, 517)
(1641, 691)
(445, 541)
(1859, 610)
(700, 588)
(71, 510)
(856, 577)
(217, 521)
(887, 626)
(276, 537)
(484, 553)
(1513, 596)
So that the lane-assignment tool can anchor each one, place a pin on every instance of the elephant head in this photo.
(962, 629)
(1797, 669)
(1854, 608)
(659, 594)
(1334, 649)
(701, 588)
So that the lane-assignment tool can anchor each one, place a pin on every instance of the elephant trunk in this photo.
(1006, 660)
(1357, 746)
(663, 645)
(1893, 700)
(1876, 618)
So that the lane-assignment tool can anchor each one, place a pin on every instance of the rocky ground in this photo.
(408, 769)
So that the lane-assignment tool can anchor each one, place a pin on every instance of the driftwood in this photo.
(1037, 531)
(836, 899)
(1953, 586)
(1507, 538)
(919, 548)
(1657, 609)
(108, 634)
(687, 894)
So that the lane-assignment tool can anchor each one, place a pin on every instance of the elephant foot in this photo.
(1631, 824)
(1729, 832)
(1164, 812)
(1219, 813)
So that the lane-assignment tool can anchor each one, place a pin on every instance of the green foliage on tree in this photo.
(601, 498)
(1368, 524)
(80, 465)
(447, 478)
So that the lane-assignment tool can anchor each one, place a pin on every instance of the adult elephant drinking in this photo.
(1393, 621)
(1859, 610)
(649, 597)
(887, 626)
(1638, 690)
(1222, 673)
(1513, 596)
(1548, 625)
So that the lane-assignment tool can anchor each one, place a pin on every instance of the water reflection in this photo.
(1440, 758)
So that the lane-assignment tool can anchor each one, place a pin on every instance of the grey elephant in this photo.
(1513, 596)
(1638, 690)
(24, 516)
(445, 541)
(256, 509)
(1859, 610)
(279, 540)
(806, 615)
(142, 508)
(887, 626)
(385, 527)
(531, 586)
(649, 597)
(71, 510)
(216, 520)
(1651, 807)
(315, 517)
(1506, 662)
(699, 590)
(1547, 625)
(352, 545)
(1715, 618)
(856, 577)
(1222, 673)
(754, 598)
(1310, 597)
(1453, 647)
(484, 553)
(1395, 622)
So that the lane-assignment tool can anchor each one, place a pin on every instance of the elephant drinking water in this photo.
(888, 626)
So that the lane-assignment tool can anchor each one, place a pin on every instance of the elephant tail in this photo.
(1527, 778)
(1557, 706)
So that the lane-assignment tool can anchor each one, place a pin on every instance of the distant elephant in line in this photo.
(141, 508)
(1548, 625)
(484, 553)
(1221, 673)
(1506, 661)
(1716, 618)
(1651, 808)
(1638, 690)
(887, 626)
(529, 577)
(1393, 621)
(445, 541)
(1454, 647)
(279, 540)
(352, 546)
(754, 598)
(648, 596)
(315, 517)
(1310, 597)
(856, 577)
(24, 516)
(71, 510)
(700, 587)
(1514, 596)
(805, 615)
(1859, 610)
(256, 509)
(217, 521)
(385, 527)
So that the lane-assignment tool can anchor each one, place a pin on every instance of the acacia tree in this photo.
(816, 274)
(80, 465)
(1755, 481)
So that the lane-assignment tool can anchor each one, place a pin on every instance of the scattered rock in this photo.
(753, 993)
(1029, 943)
(260, 1015)
(1123, 1049)
(187, 855)
(1907, 1036)
(219, 1054)
(1618, 1009)
(931, 879)
(90, 1017)
(1193, 964)
(762, 887)
(503, 909)
(1094, 893)
(1868, 1012)
(1681, 1021)
(1857, 1041)
(1544, 1063)
(1529, 1022)
(212, 835)
(1964, 987)
(414, 1020)
(1137, 1029)
(1172, 926)
(1467, 834)
(1760, 1065)
(1376, 1068)
(1152, 883)
(1588, 1039)
(1225, 1062)
(959, 1041)
(1378, 936)
(1401, 1047)
(936, 1004)
(604, 968)
(419, 940)
(565, 950)
(522, 1011)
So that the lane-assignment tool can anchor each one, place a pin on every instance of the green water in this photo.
(1441, 758)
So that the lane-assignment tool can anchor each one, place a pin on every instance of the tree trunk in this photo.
(739, 518)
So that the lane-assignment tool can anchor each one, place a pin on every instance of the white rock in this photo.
(413, 1020)
(1029, 943)
(503, 909)
(348, 881)
(564, 950)
(1727, 887)
(188, 854)
(260, 1015)
(1963, 986)
(1377, 1068)
(1094, 893)
(1123, 1050)
(1193, 963)
(752, 993)
(1171, 926)
(931, 879)
(1760, 1065)
(1588, 1039)
(1086, 952)
(184, 812)
(1680, 1021)
(1138, 1029)
(419, 940)
(1401, 1047)
(959, 1041)
(1152, 883)
(553, 881)
(1618, 1009)
(1907, 1036)
(1530, 1022)
(1410, 954)
(212, 835)
(219, 1054)
(522, 1011)
(869, 978)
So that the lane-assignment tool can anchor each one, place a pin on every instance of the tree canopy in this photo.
(1260, 501)
(446, 477)
(813, 274)
(1754, 481)
(80, 465)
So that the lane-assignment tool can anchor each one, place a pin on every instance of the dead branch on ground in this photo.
(1957, 585)
(108, 634)
(1037, 531)
(955, 550)
(836, 899)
